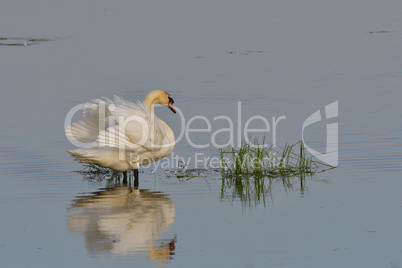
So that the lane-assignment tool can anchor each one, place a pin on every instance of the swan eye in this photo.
(171, 100)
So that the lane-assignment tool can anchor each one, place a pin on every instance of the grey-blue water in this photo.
(277, 58)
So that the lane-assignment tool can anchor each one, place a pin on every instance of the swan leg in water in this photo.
(124, 177)
(136, 182)
(136, 179)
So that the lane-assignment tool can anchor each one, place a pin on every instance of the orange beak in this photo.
(171, 107)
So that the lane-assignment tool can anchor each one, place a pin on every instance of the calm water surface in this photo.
(277, 58)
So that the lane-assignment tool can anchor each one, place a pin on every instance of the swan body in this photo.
(123, 135)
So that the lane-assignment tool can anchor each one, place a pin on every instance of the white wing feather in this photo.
(140, 125)
(96, 114)
(118, 124)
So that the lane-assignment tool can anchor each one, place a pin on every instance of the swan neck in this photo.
(150, 102)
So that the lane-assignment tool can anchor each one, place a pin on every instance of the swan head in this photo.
(161, 97)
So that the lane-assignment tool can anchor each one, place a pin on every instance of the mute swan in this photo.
(122, 134)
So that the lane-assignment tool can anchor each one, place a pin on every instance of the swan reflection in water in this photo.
(123, 221)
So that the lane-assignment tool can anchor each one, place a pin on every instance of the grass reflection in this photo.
(255, 191)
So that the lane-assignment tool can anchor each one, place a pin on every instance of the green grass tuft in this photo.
(253, 159)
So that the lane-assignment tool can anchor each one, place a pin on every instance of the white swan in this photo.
(123, 134)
